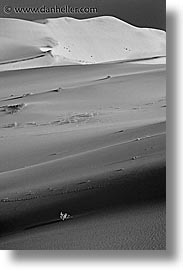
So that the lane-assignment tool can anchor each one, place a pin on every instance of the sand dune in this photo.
(71, 41)
(89, 141)
(82, 133)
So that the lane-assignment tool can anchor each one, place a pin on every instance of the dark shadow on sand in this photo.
(136, 186)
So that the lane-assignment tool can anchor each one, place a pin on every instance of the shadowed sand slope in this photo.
(72, 41)
(135, 226)
(119, 174)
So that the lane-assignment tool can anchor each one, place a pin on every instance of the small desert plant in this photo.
(64, 216)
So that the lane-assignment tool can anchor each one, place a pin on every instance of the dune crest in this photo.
(72, 41)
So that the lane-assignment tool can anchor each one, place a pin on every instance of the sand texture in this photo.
(82, 134)
(88, 141)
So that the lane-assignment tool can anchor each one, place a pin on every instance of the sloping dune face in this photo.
(94, 144)
(30, 33)
(86, 140)
(72, 41)
(12, 50)
(21, 43)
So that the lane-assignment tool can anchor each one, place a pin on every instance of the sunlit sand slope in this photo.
(72, 41)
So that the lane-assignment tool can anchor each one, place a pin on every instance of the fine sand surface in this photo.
(95, 148)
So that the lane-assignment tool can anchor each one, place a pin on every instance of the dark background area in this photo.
(142, 13)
